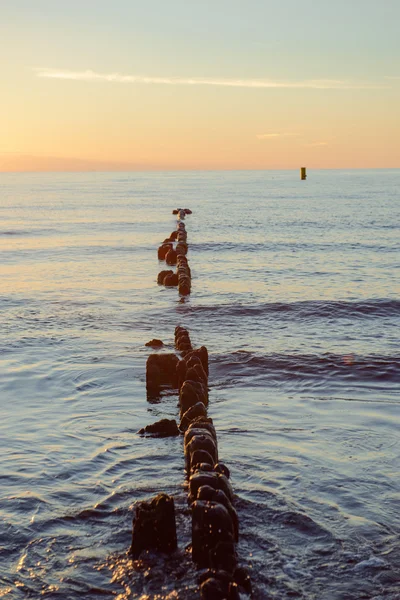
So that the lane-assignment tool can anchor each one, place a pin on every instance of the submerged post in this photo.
(303, 174)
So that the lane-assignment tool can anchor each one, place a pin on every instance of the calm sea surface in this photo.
(296, 294)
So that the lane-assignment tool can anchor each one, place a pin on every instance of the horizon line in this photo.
(195, 170)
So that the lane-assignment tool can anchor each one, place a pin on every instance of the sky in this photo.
(102, 85)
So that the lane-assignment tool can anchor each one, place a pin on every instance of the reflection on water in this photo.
(295, 294)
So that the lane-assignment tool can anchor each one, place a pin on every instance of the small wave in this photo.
(301, 522)
(300, 366)
(23, 232)
(278, 246)
(379, 307)
(226, 246)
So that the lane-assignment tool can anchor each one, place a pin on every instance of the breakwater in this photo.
(176, 256)
(215, 522)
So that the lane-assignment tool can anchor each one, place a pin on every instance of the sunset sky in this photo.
(184, 84)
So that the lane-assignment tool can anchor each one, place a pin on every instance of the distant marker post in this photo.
(303, 174)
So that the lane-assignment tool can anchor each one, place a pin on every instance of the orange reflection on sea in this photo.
(348, 359)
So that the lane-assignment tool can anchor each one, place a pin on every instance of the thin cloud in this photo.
(315, 144)
(267, 136)
(93, 76)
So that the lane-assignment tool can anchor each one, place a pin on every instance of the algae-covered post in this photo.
(215, 523)
(154, 526)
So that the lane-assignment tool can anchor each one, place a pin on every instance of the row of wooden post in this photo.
(215, 524)
(176, 256)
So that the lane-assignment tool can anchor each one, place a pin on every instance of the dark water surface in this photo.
(296, 295)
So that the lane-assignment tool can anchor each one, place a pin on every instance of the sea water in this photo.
(295, 293)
